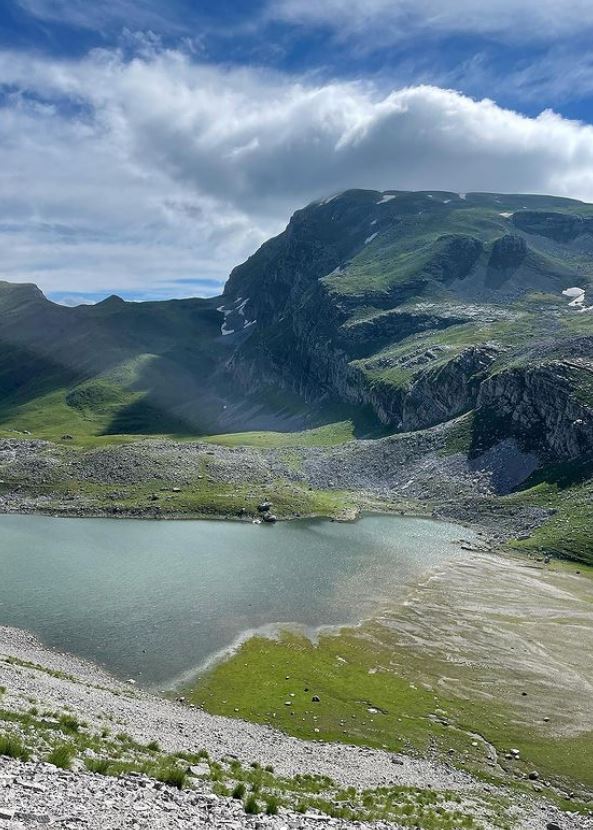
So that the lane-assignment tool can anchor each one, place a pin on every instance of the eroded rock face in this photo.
(448, 391)
(508, 252)
(561, 227)
(455, 256)
(539, 406)
(364, 337)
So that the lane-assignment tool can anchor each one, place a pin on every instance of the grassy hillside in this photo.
(123, 370)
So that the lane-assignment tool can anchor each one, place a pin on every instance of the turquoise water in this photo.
(154, 600)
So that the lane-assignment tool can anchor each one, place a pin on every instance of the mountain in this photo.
(426, 306)
(399, 311)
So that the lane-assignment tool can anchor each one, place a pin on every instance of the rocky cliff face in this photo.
(561, 227)
(447, 391)
(541, 405)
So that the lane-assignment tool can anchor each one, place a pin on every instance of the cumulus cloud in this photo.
(396, 19)
(147, 174)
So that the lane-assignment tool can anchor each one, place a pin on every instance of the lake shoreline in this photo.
(166, 584)
(167, 480)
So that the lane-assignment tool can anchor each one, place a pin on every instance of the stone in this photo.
(264, 507)
(551, 825)
(30, 785)
(198, 770)
(533, 776)
(269, 518)
(315, 699)
(7, 813)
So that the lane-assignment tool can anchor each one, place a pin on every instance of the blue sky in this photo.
(147, 146)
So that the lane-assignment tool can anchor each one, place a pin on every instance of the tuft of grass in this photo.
(172, 776)
(153, 746)
(12, 747)
(62, 756)
(100, 766)
(69, 723)
(239, 791)
(252, 807)
(272, 804)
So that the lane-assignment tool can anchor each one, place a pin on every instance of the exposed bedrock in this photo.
(561, 227)
(447, 391)
(540, 406)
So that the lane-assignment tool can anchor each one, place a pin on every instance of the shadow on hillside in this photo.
(184, 399)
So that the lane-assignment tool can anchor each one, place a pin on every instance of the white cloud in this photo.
(144, 174)
(393, 20)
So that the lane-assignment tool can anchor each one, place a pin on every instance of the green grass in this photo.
(201, 497)
(171, 775)
(365, 669)
(325, 436)
(62, 755)
(272, 804)
(11, 746)
(69, 723)
(252, 805)
(256, 786)
(569, 530)
(100, 766)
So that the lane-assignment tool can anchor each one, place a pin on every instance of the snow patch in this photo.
(370, 238)
(374, 222)
(237, 307)
(506, 214)
(577, 298)
(573, 292)
(329, 199)
(386, 198)
(463, 196)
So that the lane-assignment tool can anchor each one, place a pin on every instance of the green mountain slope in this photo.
(120, 368)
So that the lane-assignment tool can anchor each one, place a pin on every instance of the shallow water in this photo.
(155, 600)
